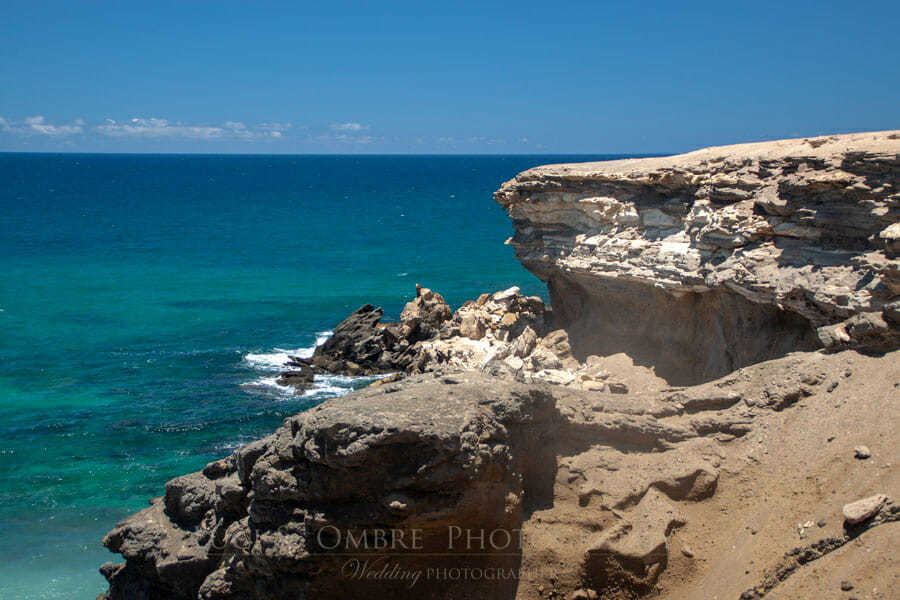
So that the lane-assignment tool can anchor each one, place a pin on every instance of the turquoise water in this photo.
(146, 299)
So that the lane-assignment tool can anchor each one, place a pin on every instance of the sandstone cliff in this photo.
(704, 262)
(761, 280)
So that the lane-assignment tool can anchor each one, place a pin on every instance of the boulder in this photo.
(428, 308)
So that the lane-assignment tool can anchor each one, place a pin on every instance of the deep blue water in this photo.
(145, 301)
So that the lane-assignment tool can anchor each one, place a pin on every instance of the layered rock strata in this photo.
(704, 262)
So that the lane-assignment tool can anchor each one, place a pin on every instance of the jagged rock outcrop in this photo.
(704, 262)
(362, 345)
(504, 334)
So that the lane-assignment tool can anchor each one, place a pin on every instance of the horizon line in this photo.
(88, 153)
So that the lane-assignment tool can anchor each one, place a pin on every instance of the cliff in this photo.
(717, 377)
(704, 262)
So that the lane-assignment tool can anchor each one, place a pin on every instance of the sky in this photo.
(440, 77)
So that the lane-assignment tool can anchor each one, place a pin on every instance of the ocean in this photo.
(147, 301)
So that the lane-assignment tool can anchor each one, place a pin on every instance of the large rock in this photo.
(362, 345)
(356, 345)
(428, 308)
(703, 262)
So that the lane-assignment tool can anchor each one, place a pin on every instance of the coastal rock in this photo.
(700, 263)
(356, 345)
(300, 376)
(636, 547)
(429, 309)
(505, 334)
(362, 345)
(468, 451)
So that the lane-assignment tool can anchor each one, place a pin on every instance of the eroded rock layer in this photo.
(704, 262)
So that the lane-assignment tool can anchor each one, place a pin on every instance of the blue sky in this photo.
(441, 77)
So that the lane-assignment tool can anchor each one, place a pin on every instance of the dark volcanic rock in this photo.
(355, 346)
(362, 345)
(300, 377)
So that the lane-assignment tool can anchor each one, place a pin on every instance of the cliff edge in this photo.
(701, 263)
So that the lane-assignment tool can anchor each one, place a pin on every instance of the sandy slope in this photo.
(794, 474)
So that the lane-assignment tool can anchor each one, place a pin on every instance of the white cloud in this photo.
(147, 128)
(343, 138)
(273, 130)
(481, 139)
(348, 127)
(159, 128)
(155, 128)
(38, 125)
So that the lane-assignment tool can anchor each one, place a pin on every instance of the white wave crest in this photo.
(275, 361)
(324, 386)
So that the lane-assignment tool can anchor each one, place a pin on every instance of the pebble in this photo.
(802, 527)
(846, 586)
(862, 452)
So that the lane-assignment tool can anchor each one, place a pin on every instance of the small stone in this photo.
(506, 295)
(509, 319)
(591, 385)
(862, 452)
(471, 327)
(846, 586)
(821, 523)
(802, 527)
(617, 387)
(514, 362)
(686, 550)
(397, 504)
(863, 510)
(890, 237)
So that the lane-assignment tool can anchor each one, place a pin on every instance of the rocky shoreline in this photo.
(709, 312)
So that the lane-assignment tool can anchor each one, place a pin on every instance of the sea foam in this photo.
(277, 360)
(324, 386)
